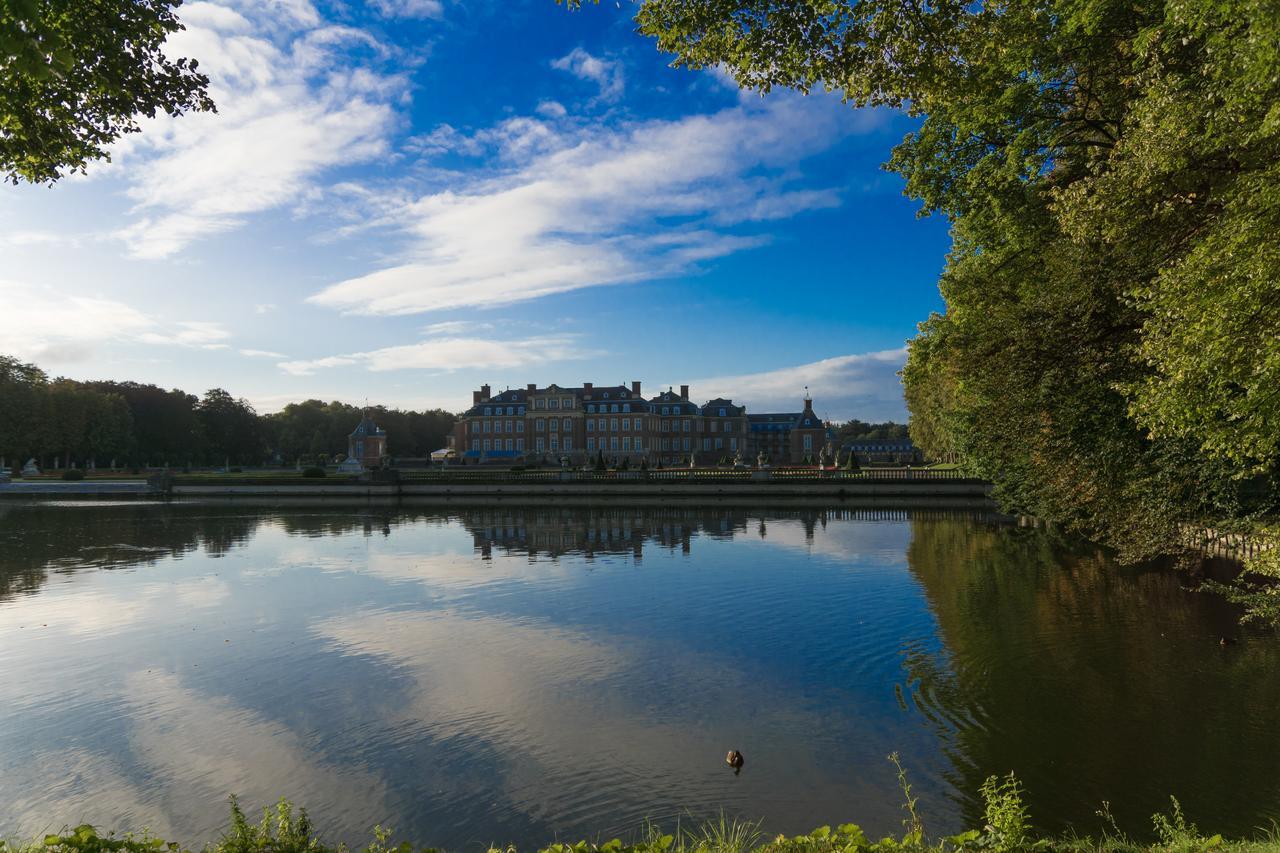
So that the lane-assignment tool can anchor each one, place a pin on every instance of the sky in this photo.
(401, 200)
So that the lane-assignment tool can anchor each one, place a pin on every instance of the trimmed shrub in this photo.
(314, 472)
(73, 474)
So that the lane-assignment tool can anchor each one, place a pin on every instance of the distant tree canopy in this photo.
(855, 429)
(75, 76)
(62, 423)
(1110, 352)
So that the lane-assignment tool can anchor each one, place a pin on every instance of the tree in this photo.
(76, 76)
(1111, 171)
(231, 429)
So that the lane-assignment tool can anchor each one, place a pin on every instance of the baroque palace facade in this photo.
(618, 422)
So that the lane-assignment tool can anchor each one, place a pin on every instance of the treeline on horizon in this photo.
(63, 423)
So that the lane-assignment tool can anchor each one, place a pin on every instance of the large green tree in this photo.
(75, 75)
(1109, 354)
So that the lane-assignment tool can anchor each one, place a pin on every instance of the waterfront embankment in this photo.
(896, 483)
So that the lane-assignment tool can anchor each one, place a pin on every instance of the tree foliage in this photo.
(75, 75)
(1109, 354)
(61, 422)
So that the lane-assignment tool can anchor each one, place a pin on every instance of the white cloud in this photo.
(455, 327)
(409, 8)
(605, 73)
(261, 353)
(46, 326)
(295, 98)
(190, 334)
(864, 386)
(263, 308)
(54, 327)
(587, 206)
(453, 353)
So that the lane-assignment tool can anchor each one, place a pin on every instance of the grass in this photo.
(1006, 828)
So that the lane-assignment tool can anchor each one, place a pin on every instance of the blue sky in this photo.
(401, 200)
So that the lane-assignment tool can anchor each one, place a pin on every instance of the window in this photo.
(539, 403)
(808, 442)
(475, 444)
(591, 407)
(555, 443)
(553, 403)
(511, 426)
(555, 424)
(509, 447)
(626, 443)
(666, 426)
(486, 426)
(613, 423)
(719, 444)
(519, 426)
(539, 424)
(706, 444)
(688, 445)
(486, 444)
(520, 444)
(520, 410)
(591, 424)
(605, 395)
(733, 444)
(626, 424)
(626, 407)
(568, 443)
(722, 413)
(666, 410)
(666, 444)
(568, 424)
(538, 443)
(728, 426)
(567, 403)
(715, 426)
(591, 443)
(613, 443)
(488, 410)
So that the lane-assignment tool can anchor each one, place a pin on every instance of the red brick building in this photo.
(616, 422)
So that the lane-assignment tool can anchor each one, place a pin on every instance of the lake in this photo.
(520, 673)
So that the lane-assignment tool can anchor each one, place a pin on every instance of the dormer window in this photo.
(722, 413)
(666, 410)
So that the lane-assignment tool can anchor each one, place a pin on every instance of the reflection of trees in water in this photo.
(39, 539)
(1092, 681)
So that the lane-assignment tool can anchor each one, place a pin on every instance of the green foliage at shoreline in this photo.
(1006, 828)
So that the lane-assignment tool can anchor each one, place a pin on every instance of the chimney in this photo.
(586, 387)
(485, 392)
(531, 387)
(684, 392)
(475, 397)
(635, 388)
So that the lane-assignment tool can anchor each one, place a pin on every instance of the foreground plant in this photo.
(1007, 828)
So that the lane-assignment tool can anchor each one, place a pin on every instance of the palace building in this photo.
(617, 422)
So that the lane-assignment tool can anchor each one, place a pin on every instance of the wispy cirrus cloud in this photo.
(447, 354)
(583, 206)
(296, 97)
(864, 386)
(51, 326)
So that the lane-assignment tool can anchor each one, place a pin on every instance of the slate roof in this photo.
(367, 427)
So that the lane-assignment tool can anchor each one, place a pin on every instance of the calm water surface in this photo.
(505, 673)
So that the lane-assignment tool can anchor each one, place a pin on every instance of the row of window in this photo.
(626, 444)
(567, 403)
(593, 425)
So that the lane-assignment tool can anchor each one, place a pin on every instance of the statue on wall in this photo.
(30, 469)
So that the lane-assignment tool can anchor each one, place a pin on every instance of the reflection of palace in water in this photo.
(592, 531)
